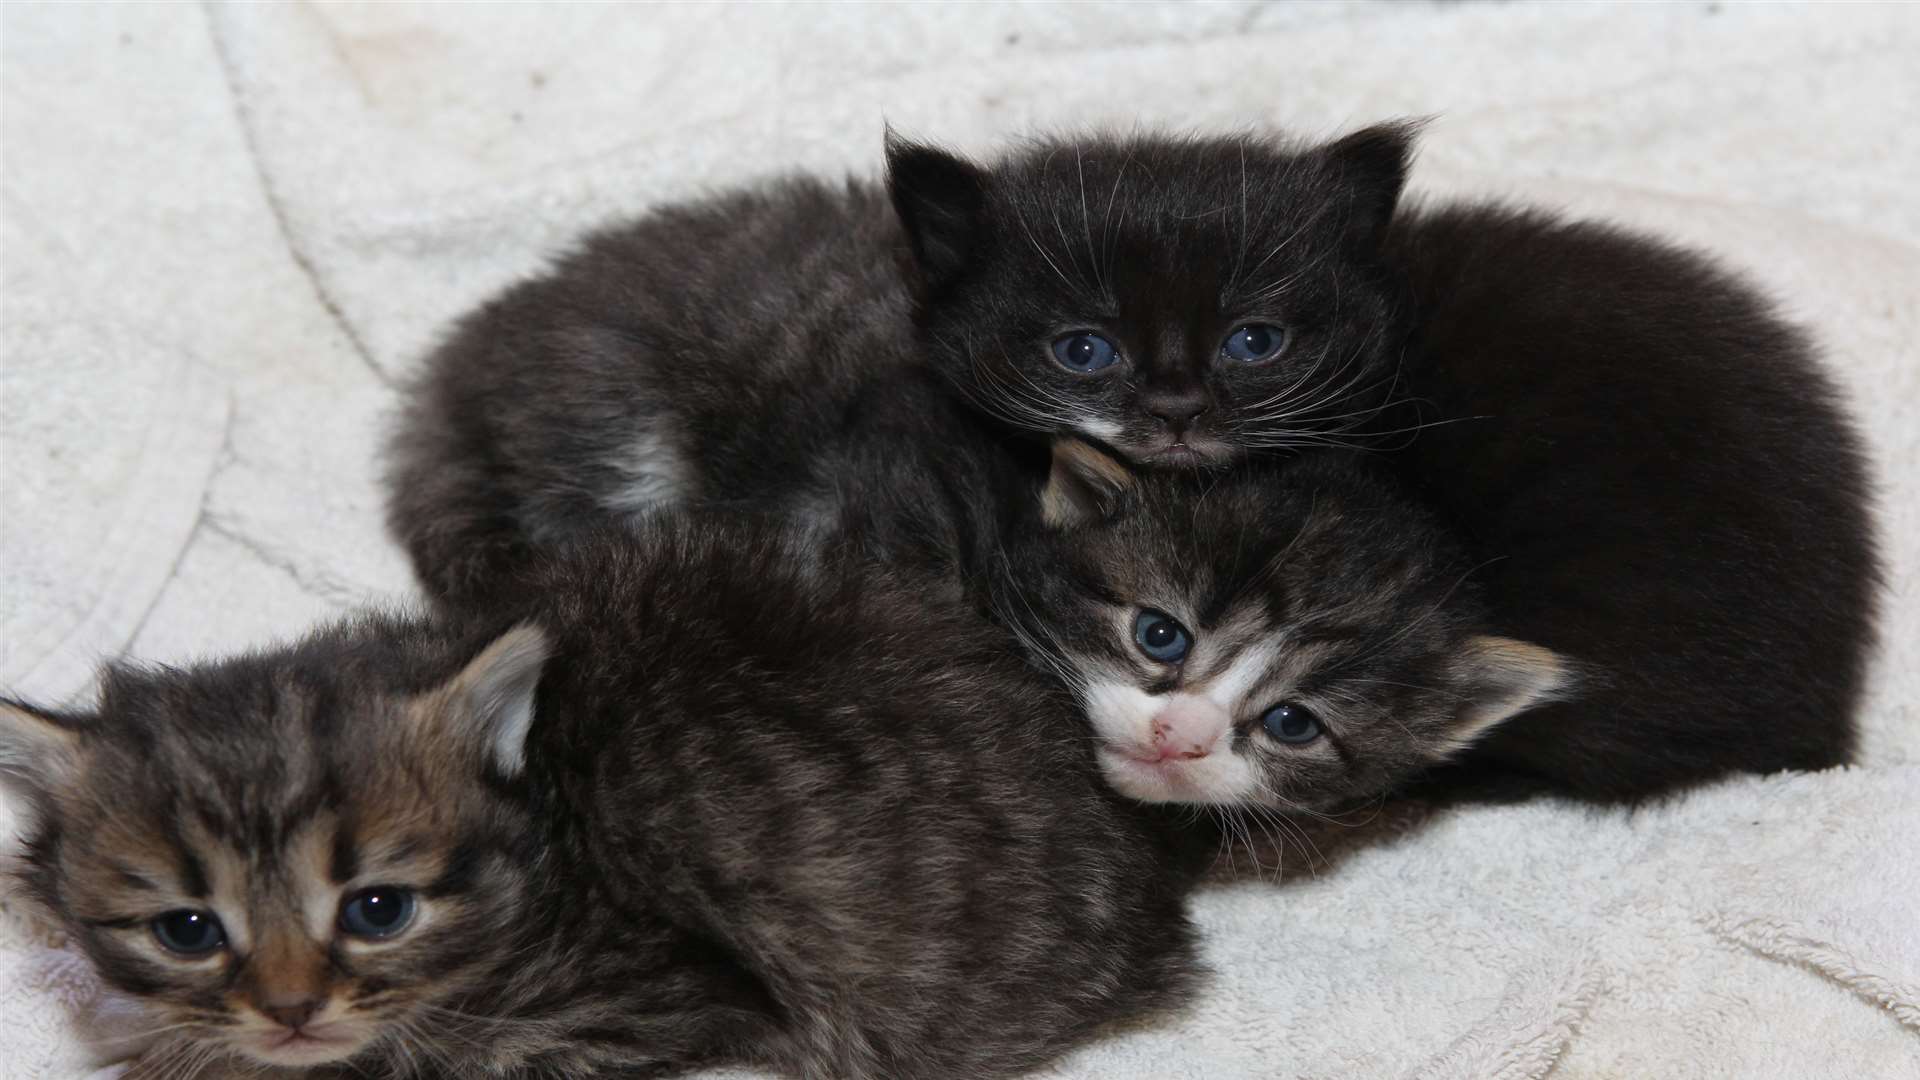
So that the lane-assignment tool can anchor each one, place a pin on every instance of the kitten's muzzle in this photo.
(292, 1012)
(1178, 409)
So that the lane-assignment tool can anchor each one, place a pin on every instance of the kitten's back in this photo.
(1664, 486)
(749, 350)
(868, 799)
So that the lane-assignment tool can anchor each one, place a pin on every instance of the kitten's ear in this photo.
(1502, 678)
(1084, 486)
(491, 700)
(37, 747)
(939, 197)
(1371, 164)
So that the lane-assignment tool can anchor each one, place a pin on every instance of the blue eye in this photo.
(1084, 352)
(1255, 342)
(189, 933)
(1290, 723)
(379, 912)
(1160, 637)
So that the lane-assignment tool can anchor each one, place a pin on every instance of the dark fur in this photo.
(762, 337)
(1649, 460)
(1663, 486)
(1163, 245)
(774, 810)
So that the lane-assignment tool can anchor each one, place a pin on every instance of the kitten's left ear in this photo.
(37, 747)
(1084, 485)
(1501, 678)
(491, 700)
(939, 197)
(1372, 165)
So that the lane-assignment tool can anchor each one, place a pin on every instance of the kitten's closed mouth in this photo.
(309, 1046)
(1147, 778)
(1186, 455)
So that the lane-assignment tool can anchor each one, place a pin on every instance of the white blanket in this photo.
(227, 231)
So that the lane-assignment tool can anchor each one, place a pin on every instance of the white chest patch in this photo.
(654, 474)
(1098, 428)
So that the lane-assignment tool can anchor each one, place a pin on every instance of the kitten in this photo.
(1282, 636)
(1662, 483)
(1179, 300)
(710, 801)
(761, 350)
(752, 351)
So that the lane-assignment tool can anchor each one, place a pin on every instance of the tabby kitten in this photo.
(1287, 635)
(714, 796)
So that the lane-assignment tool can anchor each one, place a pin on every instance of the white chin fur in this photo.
(1122, 714)
(1215, 780)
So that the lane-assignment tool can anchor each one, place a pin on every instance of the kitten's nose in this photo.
(292, 1012)
(1187, 729)
(1177, 408)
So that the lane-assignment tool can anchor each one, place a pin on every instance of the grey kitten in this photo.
(753, 351)
(1287, 635)
(713, 795)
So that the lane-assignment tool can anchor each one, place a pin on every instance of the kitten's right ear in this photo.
(1372, 165)
(939, 197)
(1500, 678)
(37, 747)
(491, 699)
(1084, 486)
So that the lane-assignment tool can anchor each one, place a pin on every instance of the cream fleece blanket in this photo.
(227, 232)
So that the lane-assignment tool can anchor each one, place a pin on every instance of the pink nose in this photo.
(1187, 730)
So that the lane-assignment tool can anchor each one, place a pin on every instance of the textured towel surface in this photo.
(227, 231)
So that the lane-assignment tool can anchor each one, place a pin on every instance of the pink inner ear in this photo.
(1506, 678)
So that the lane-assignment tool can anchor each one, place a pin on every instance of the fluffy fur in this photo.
(760, 808)
(1162, 246)
(1659, 481)
(753, 351)
(1646, 460)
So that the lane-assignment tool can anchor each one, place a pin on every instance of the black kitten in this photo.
(1662, 484)
(1178, 300)
(753, 351)
(713, 801)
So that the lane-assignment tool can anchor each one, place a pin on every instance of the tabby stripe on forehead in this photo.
(343, 865)
(114, 924)
(461, 871)
(193, 875)
(133, 879)
(125, 972)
